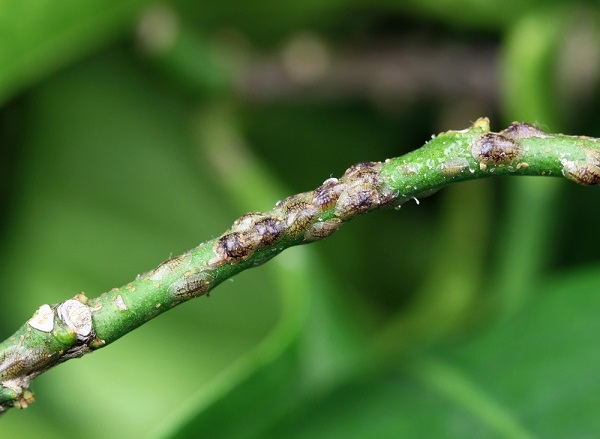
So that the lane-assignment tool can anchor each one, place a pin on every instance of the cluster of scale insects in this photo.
(315, 215)
(305, 217)
(301, 217)
(504, 148)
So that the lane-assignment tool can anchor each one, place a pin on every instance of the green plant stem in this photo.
(80, 325)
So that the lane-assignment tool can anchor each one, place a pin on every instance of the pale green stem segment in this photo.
(80, 325)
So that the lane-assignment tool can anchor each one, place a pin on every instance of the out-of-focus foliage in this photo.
(130, 133)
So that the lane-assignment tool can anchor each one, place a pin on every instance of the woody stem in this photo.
(80, 325)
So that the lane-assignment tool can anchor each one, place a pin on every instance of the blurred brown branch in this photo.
(393, 71)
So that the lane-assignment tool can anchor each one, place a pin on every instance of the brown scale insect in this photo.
(387, 196)
(289, 202)
(522, 130)
(326, 195)
(494, 148)
(233, 247)
(362, 190)
(366, 189)
(322, 229)
(194, 285)
(268, 230)
(454, 166)
(11, 365)
(298, 213)
(366, 171)
(356, 199)
(585, 172)
(166, 267)
(15, 362)
(246, 221)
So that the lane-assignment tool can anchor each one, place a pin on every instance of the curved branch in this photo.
(80, 325)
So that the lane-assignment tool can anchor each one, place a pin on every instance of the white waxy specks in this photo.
(43, 319)
(120, 303)
(76, 316)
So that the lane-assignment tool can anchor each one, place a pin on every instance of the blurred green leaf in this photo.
(534, 375)
(39, 36)
(542, 364)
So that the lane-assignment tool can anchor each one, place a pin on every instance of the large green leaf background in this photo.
(473, 314)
